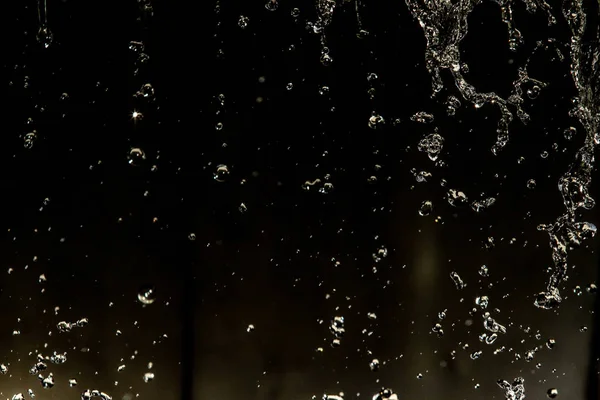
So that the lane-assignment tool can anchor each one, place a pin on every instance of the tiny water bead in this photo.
(570, 132)
(425, 208)
(272, 5)
(432, 144)
(456, 198)
(221, 173)
(552, 393)
(147, 295)
(146, 91)
(534, 92)
(384, 394)
(531, 184)
(484, 271)
(136, 156)
(337, 327)
(148, 376)
(250, 328)
(45, 37)
(29, 139)
(243, 21)
(374, 365)
(458, 282)
(376, 121)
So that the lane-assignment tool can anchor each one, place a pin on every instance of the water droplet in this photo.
(289, 86)
(3, 369)
(374, 365)
(458, 282)
(250, 328)
(372, 77)
(534, 92)
(148, 376)
(484, 271)
(425, 208)
(272, 5)
(192, 236)
(30, 139)
(570, 132)
(544, 154)
(531, 184)
(72, 382)
(57, 358)
(147, 295)
(44, 36)
(146, 91)
(376, 121)
(456, 198)
(422, 117)
(432, 144)
(136, 47)
(577, 290)
(295, 12)
(422, 176)
(337, 327)
(552, 393)
(482, 302)
(326, 59)
(491, 338)
(592, 288)
(419, 376)
(136, 156)
(243, 22)
(47, 382)
(221, 173)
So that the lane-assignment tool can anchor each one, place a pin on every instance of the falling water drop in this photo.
(534, 92)
(425, 208)
(30, 139)
(374, 365)
(147, 295)
(243, 22)
(136, 156)
(484, 271)
(221, 173)
(148, 376)
(552, 393)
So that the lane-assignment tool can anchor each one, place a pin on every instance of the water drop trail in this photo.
(566, 232)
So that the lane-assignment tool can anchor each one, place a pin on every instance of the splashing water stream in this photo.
(566, 231)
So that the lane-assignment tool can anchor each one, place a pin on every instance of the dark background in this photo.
(109, 227)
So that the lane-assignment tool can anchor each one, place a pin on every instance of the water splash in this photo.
(566, 232)
(514, 391)
(444, 24)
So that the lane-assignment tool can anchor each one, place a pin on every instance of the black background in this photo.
(101, 237)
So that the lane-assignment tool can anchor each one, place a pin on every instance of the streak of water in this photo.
(44, 35)
(566, 232)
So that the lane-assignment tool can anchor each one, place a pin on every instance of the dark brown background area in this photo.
(100, 238)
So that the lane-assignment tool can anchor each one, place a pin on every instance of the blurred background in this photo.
(213, 225)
